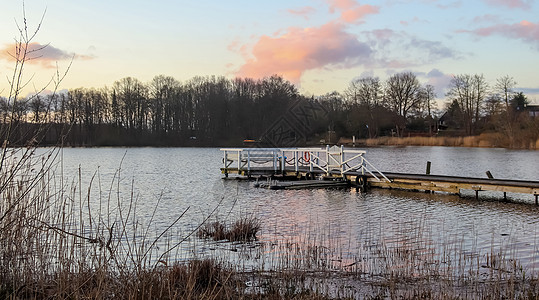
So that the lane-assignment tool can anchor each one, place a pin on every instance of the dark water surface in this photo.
(180, 179)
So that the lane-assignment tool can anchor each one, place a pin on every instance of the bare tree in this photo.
(504, 87)
(132, 102)
(469, 91)
(366, 91)
(402, 95)
(428, 98)
(364, 98)
(162, 92)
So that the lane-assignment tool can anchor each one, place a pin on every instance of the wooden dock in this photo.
(349, 166)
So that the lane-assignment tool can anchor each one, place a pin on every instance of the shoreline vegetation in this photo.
(485, 140)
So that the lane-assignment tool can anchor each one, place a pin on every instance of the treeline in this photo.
(201, 111)
(216, 111)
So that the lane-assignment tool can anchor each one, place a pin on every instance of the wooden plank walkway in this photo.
(404, 181)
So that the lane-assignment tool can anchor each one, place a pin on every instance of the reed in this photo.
(484, 140)
(244, 229)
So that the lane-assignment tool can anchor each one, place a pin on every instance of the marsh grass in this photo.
(484, 140)
(244, 229)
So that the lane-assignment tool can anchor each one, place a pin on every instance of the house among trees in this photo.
(451, 119)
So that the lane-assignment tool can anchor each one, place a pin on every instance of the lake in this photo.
(166, 182)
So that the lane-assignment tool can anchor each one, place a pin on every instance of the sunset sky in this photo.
(319, 45)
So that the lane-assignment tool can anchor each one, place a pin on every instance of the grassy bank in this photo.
(486, 140)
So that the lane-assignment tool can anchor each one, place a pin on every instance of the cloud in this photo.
(304, 12)
(528, 90)
(39, 54)
(298, 50)
(414, 20)
(524, 4)
(456, 4)
(439, 80)
(351, 11)
(292, 51)
(401, 50)
(432, 50)
(486, 19)
(525, 31)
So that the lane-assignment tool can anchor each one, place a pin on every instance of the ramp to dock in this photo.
(304, 184)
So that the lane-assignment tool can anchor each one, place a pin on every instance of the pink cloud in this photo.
(351, 11)
(298, 50)
(304, 12)
(525, 30)
(452, 5)
(509, 3)
(38, 54)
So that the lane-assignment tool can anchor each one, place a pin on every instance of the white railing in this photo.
(252, 158)
(328, 160)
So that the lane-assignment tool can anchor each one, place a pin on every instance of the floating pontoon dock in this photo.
(340, 165)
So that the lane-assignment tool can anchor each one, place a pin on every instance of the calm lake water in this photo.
(165, 182)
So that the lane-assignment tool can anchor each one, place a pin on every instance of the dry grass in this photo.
(244, 229)
(485, 140)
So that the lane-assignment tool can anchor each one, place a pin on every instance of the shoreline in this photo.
(484, 140)
(479, 141)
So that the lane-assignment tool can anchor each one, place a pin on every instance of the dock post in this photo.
(427, 171)
(275, 161)
(342, 161)
(239, 160)
(283, 162)
(296, 161)
(225, 163)
(327, 159)
(311, 158)
(248, 161)
(536, 199)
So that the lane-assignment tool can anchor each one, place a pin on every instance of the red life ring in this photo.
(306, 156)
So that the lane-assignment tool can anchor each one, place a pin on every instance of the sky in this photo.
(319, 45)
